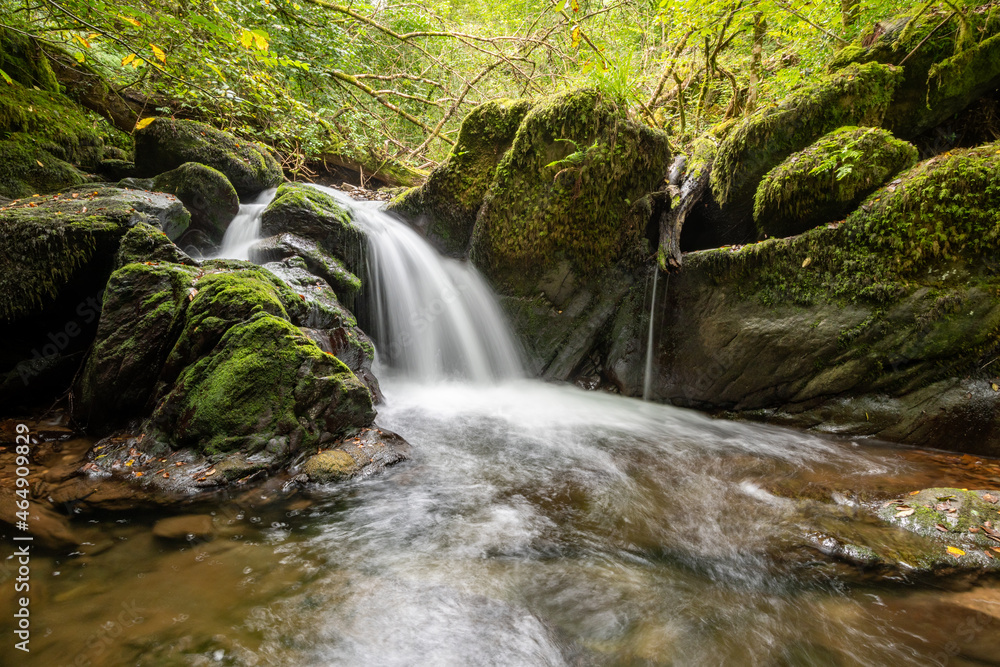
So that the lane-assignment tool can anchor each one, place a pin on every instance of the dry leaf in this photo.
(941, 528)
(955, 551)
(990, 498)
(903, 513)
(806, 262)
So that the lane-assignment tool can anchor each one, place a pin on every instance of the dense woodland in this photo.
(383, 83)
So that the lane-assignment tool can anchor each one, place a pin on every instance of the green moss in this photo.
(827, 180)
(965, 75)
(205, 192)
(855, 95)
(142, 315)
(145, 243)
(167, 144)
(454, 191)
(333, 465)
(54, 122)
(26, 169)
(23, 61)
(575, 165)
(264, 379)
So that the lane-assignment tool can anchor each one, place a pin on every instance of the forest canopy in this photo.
(390, 81)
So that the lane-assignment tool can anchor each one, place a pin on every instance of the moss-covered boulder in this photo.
(57, 253)
(145, 243)
(444, 208)
(265, 381)
(24, 61)
(829, 179)
(371, 450)
(948, 63)
(167, 144)
(144, 307)
(558, 195)
(854, 95)
(316, 216)
(886, 324)
(206, 193)
(26, 169)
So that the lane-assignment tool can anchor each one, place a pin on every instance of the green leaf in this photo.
(3, 75)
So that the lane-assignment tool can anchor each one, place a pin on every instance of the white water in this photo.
(647, 381)
(432, 318)
(244, 230)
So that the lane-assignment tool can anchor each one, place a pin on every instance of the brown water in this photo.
(536, 525)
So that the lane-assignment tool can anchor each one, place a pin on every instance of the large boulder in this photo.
(884, 325)
(167, 144)
(26, 169)
(444, 208)
(23, 61)
(828, 180)
(57, 253)
(855, 95)
(318, 262)
(205, 192)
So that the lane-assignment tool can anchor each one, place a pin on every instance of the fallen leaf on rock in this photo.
(906, 512)
(210, 472)
(990, 498)
(973, 530)
(913, 493)
(941, 528)
(955, 551)
(989, 555)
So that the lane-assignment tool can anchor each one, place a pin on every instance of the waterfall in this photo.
(244, 230)
(432, 317)
(647, 381)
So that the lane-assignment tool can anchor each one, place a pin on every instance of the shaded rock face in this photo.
(318, 262)
(166, 144)
(828, 180)
(444, 208)
(885, 324)
(57, 254)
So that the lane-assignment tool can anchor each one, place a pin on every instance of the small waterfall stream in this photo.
(647, 380)
(244, 230)
(432, 317)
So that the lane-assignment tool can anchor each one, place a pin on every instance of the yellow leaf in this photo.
(260, 40)
(806, 262)
(93, 35)
(246, 39)
(127, 59)
(955, 551)
(144, 123)
(575, 5)
(82, 40)
(158, 52)
(994, 386)
(576, 36)
(129, 19)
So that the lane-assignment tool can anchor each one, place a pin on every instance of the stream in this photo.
(536, 524)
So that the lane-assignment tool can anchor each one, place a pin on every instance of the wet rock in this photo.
(316, 216)
(368, 452)
(145, 243)
(167, 144)
(318, 262)
(352, 346)
(185, 528)
(48, 529)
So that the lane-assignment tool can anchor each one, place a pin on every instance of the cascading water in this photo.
(647, 381)
(432, 317)
(244, 230)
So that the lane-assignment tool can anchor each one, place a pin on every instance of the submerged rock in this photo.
(369, 452)
(185, 528)
(167, 144)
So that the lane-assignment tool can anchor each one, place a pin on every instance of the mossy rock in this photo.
(23, 61)
(206, 193)
(942, 74)
(145, 243)
(58, 125)
(26, 169)
(47, 240)
(317, 261)
(167, 144)
(445, 207)
(263, 379)
(829, 179)
(558, 194)
(315, 216)
(143, 313)
(332, 465)
(854, 95)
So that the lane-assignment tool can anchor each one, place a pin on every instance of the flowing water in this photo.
(537, 524)
(244, 230)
